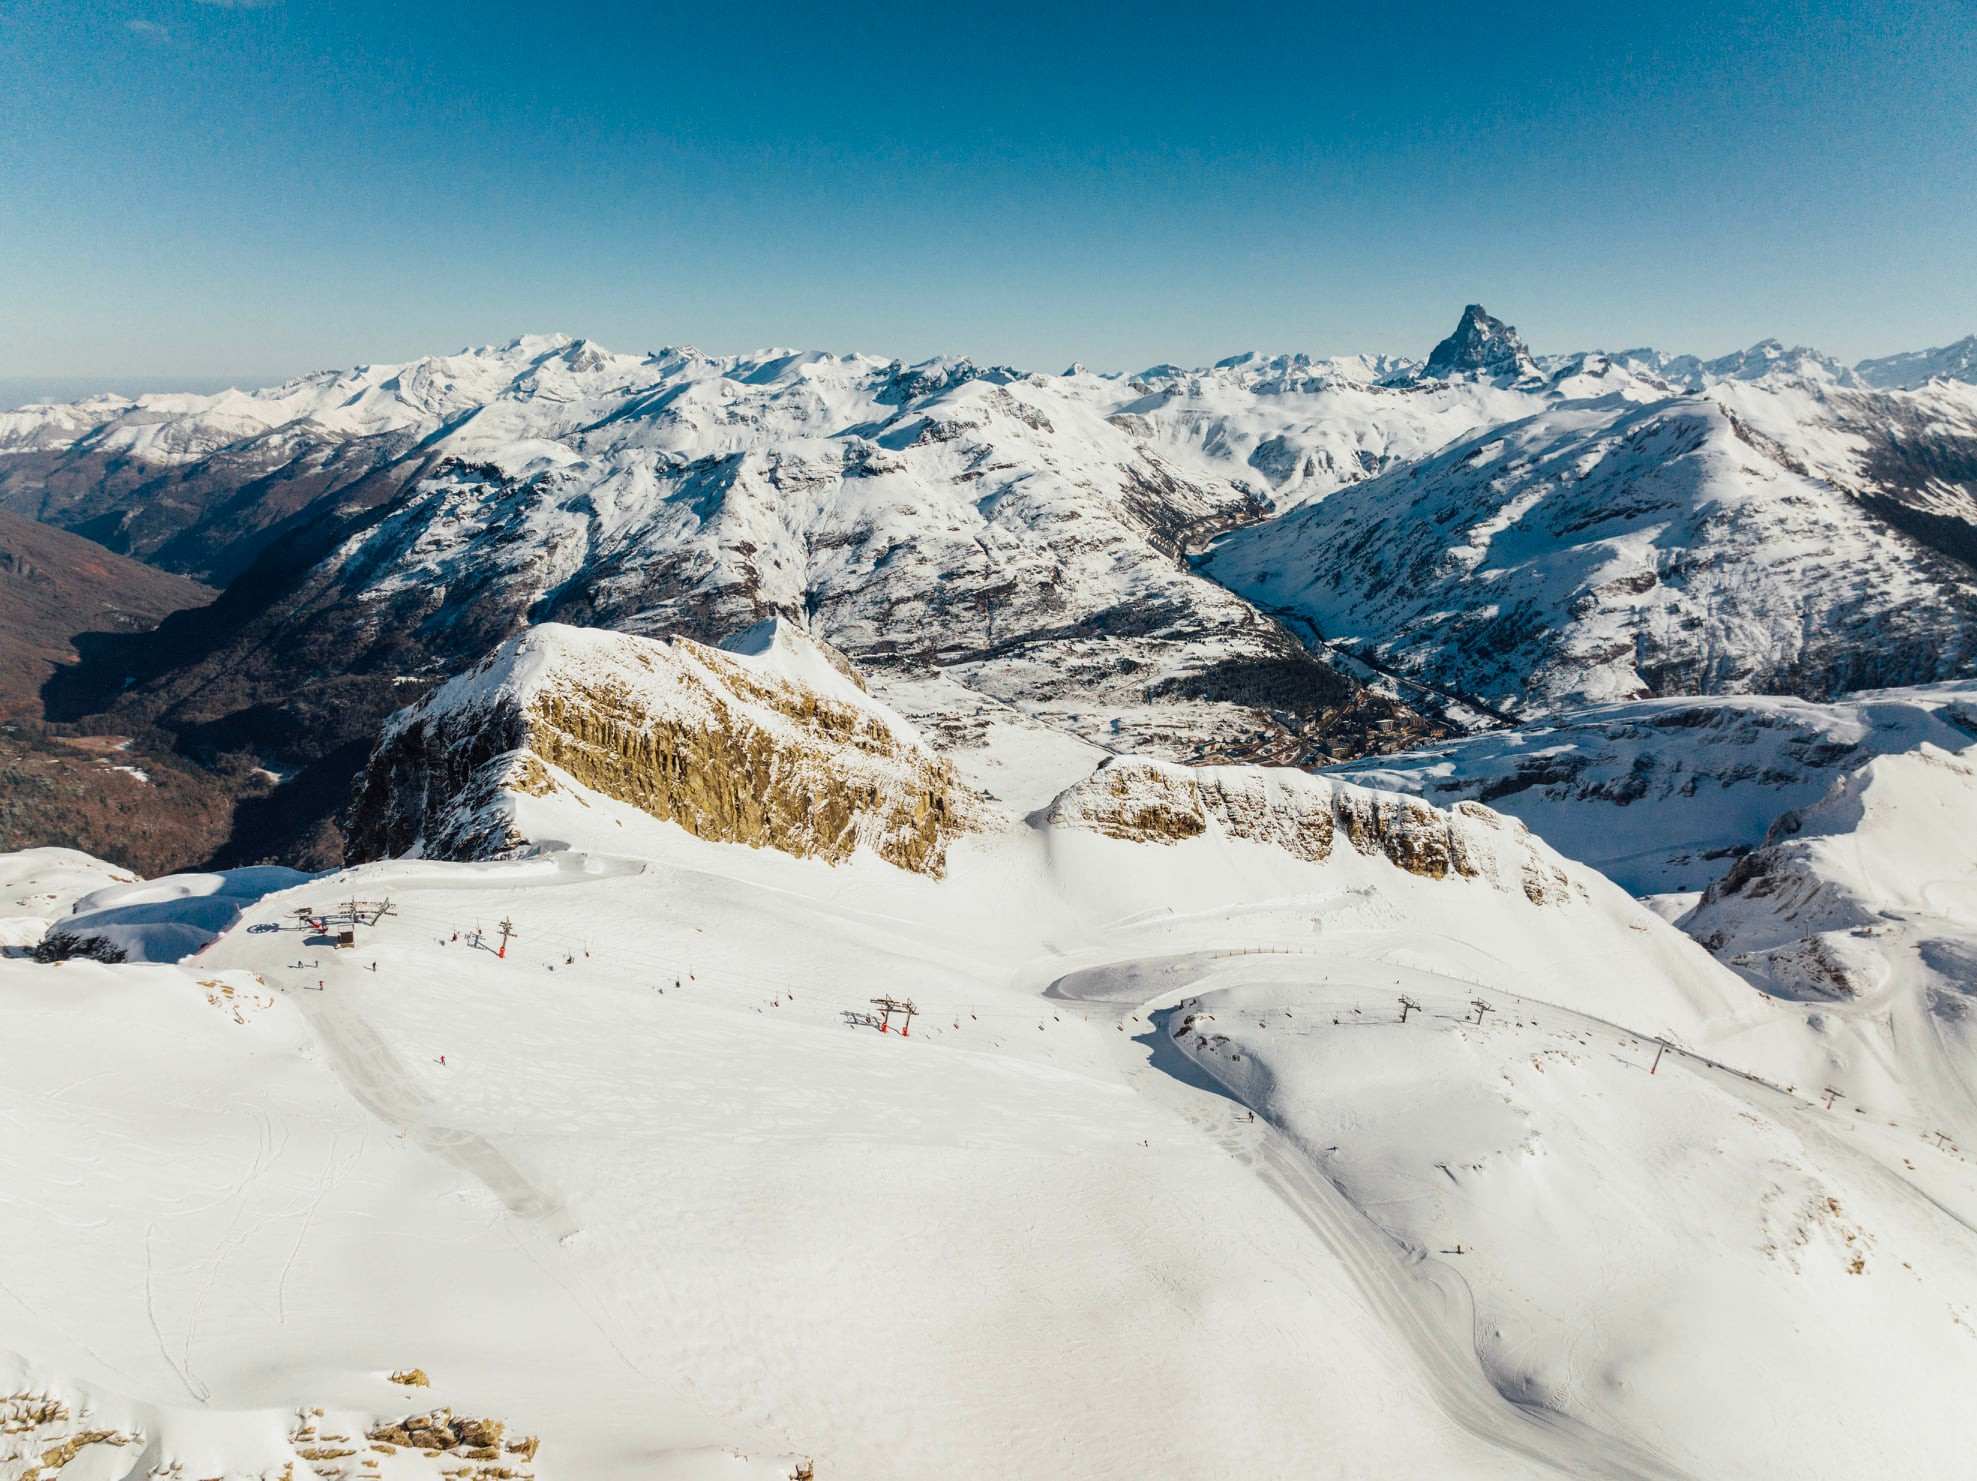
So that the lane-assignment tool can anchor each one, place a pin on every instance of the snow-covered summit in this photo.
(1769, 357)
(1956, 361)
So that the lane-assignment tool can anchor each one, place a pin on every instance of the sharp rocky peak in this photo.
(1481, 344)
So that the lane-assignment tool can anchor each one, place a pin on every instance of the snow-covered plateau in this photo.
(795, 917)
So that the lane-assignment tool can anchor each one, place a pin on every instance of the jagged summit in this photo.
(1480, 345)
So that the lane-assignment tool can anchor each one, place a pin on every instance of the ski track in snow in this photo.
(1427, 1302)
(381, 1083)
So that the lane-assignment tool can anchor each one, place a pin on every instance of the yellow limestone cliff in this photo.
(771, 740)
(1142, 800)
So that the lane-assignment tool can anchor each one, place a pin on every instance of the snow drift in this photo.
(162, 920)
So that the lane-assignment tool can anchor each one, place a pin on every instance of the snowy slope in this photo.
(649, 1186)
(1863, 906)
(663, 1201)
(1769, 535)
(1661, 795)
(1667, 1258)
(39, 885)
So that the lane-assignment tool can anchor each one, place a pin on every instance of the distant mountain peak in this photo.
(1770, 356)
(1481, 344)
(1954, 361)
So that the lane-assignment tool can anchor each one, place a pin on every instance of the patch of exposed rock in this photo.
(1140, 800)
(772, 741)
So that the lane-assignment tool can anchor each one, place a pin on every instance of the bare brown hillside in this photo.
(111, 795)
(54, 585)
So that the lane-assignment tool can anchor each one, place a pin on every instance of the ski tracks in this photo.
(1424, 1301)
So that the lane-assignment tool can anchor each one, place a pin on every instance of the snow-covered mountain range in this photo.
(1486, 531)
(1769, 536)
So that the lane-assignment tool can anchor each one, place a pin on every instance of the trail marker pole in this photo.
(507, 930)
(1660, 1048)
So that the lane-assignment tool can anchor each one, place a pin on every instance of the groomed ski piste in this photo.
(653, 1193)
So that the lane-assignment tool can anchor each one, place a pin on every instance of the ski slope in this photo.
(661, 1198)
(652, 1189)
(1629, 1242)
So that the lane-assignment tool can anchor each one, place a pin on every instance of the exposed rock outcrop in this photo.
(1480, 345)
(772, 742)
(1137, 799)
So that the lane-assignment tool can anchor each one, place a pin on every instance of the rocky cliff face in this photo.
(1480, 345)
(1139, 800)
(772, 743)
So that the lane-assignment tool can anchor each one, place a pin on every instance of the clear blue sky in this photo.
(201, 189)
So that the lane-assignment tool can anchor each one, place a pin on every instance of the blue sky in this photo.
(195, 189)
